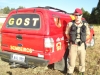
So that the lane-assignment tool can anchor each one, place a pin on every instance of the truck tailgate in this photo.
(23, 43)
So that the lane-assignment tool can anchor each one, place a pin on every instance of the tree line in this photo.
(92, 18)
(95, 14)
(7, 9)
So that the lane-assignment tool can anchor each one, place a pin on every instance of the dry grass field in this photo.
(92, 63)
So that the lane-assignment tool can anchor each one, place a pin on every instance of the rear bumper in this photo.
(29, 60)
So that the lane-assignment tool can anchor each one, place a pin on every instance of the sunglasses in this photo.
(78, 15)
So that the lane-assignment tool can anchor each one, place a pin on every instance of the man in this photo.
(77, 33)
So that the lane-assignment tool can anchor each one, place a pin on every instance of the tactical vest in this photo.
(73, 33)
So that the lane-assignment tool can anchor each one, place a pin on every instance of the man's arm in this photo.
(67, 30)
(68, 37)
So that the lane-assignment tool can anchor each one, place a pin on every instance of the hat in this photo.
(78, 11)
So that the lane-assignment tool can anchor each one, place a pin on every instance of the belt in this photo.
(77, 43)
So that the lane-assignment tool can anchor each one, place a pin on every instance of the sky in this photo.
(67, 5)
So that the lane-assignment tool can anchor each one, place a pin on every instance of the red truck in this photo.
(34, 36)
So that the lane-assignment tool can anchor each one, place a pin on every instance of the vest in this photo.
(73, 33)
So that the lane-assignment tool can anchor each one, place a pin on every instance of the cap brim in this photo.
(77, 13)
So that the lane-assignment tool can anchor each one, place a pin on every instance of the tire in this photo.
(62, 64)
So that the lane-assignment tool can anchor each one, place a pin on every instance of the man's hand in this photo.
(68, 37)
(87, 38)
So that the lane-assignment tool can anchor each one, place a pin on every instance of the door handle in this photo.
(19, 37)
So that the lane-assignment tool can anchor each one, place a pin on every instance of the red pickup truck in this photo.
(34, 36)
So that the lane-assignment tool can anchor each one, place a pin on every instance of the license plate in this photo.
(18, 57)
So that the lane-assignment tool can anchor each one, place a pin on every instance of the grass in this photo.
(95, 24)
(93, 55)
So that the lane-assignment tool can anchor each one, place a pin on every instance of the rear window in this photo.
(24, 21)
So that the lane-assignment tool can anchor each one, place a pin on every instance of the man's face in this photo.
(78, 17)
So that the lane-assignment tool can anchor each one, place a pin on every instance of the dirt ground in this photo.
(92, 63)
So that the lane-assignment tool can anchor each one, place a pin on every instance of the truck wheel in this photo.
(60, 65)
(92, 42)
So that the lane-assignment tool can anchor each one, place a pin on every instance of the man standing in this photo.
(77, 33)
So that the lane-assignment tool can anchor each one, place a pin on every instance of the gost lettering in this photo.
(27, 21)
(35, 21)
(11, 21)
(19, 21)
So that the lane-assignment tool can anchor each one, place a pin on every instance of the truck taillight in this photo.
(49, 45)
